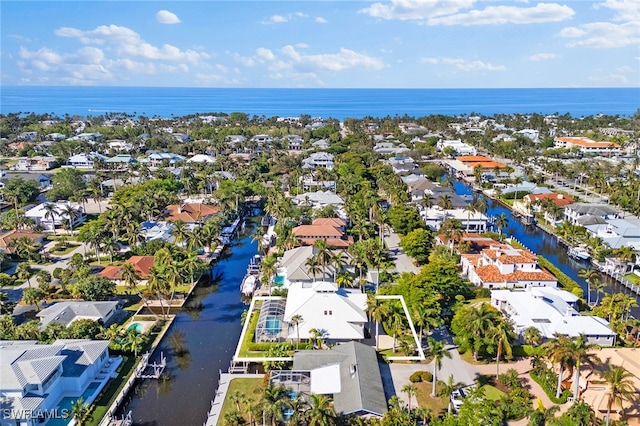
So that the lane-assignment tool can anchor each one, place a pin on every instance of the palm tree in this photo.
(338, 260)
(296, 320)
(79, 411)
(395, 321)
(558, 350)
(296, 407)
(438, 351)
(321, 412)
(322, 254)
(470, 209)
(501, 222)
(598, 287)
(129, 275)
(582, 350)
(180, 232)
(269, 269)
(480, 321)
(271, 402)
(313, 266)
(532, 336)
(590, 276)
(502, 335)
(72, 214)
(32, 296)
(377, 311)
(134, 341)
(445, 202)
(23, 272)
(427, 318)
(411, 390)
(621, 388)
(50, 213)
(447, 388)
(345, 279)
(541, 415)
(157, 284)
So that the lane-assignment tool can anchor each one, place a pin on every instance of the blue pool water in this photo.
(135, 326)
(273, 325)
(278, 280)
(66, 403)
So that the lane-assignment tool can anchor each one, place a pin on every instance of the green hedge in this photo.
(549, 382)
(563, 279)
(251, 346)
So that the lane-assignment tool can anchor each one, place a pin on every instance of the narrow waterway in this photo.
(201, 342)
(544, 244)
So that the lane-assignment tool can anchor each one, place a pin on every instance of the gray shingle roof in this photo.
(361, 390)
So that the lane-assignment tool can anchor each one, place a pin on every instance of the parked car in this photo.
(457, 398)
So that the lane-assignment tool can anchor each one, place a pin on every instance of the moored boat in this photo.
(580, 253)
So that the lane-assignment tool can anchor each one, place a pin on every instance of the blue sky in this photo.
(355, 44)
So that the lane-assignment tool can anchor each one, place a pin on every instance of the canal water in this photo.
(544, 244)
(201, 342)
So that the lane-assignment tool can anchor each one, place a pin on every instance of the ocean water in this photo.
(334, 103)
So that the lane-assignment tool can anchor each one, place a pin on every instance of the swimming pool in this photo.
(272, 325)
(67, 402)
(278, 280)
(136, 326)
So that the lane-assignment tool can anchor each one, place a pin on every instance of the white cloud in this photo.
(281, 19)
(610, 80)
(416, 10)
(542, 57)
(265, 54)
(624, 30)
(166, 17)
(321, 20)
(463, 64)
(625, 69)
(496, 15)
(340, 61)
(128, 43)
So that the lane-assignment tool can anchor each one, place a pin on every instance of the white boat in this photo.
(580, 253)
(248, 285)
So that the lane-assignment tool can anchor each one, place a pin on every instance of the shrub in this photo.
(416, 377)
(482, 292)
(427, 376)
(547, 379)
(57, 273)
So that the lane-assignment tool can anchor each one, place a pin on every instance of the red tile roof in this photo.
(142, 264)
(6, 238)
(190, 213)
(559, 200)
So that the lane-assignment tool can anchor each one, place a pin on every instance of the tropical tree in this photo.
(50, 213)
(395, 322)
(590, 276)
(582, 350)
(32, 296)
(321, 411)
(480, 320)
(621, 388)
(502, 334)
(313, 266)
(558, 350)
(23, 272)
(598, 287)
(532, 336)
(295, 321)
(438, 352)
(271, 402)
(129, 275)
(134, 340)
(542, 415)
(447, 388)
(501, 222)
(410, 390)
(72, 215)
(377, 311)
(79, 411)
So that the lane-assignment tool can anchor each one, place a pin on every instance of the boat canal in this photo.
(544, 244)
(200, 343)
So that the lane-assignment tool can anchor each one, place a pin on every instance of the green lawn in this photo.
(438, 404)
(633, 279)
(492, 392)
(69, 249)
(251, 388)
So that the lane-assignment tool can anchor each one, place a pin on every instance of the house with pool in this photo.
(41, 382)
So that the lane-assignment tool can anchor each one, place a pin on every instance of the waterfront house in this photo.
(142, 265)
(435, 216)
(331, 230)
(292, 267)
(348, 373)
(337, 313)
(552, 311)
(40, 215)
(192, 213)
(504, 266)
(588, 214)
(40, 378)
(617, 233)
(318, 199)
(66, 313)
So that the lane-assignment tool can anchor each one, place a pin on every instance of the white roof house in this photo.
(551, 311)
(337, 313)
(435, 216)
(85, 160)
(318, 199)
(318, 159)
(36, 377)
(293, 266)
(39, 215)
(460, 147)
(202, 158)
